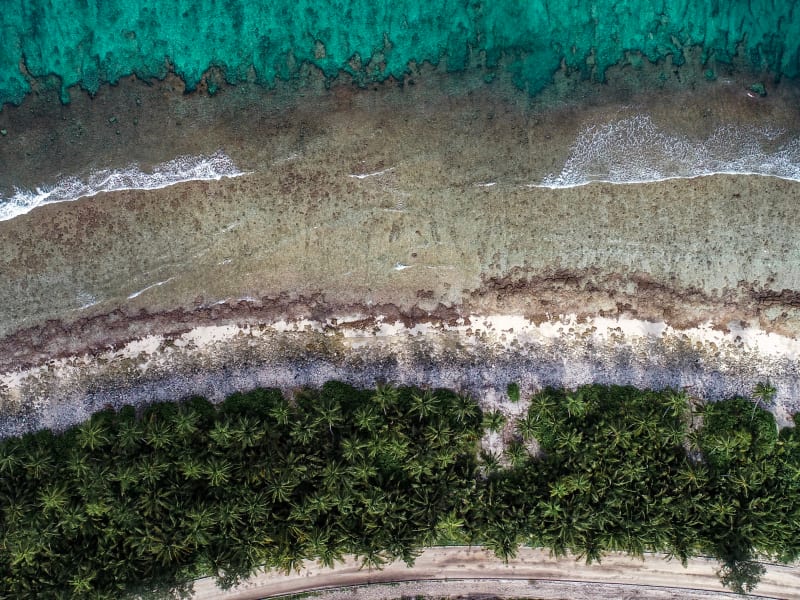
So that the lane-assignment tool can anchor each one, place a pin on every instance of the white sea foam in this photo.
(637, 150)
(178, 170)
(149, 287)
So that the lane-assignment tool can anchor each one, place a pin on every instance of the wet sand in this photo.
(407, 204)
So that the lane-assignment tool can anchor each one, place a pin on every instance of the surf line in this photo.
(636, 150)
(149, 287)
(182, 169)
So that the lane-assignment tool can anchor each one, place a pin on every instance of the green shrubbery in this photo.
(631, 470)
(129, 502)
(191, 489)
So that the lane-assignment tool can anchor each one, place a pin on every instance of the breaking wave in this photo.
(636, 150)
(178, 170)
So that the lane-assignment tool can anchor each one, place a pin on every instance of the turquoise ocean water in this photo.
(90, 42)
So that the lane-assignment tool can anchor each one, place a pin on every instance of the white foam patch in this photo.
(149, 287)
(178, 170)
(637, 150)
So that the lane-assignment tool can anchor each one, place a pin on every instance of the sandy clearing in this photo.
(445, 563)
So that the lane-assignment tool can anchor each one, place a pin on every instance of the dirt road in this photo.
(533, 565)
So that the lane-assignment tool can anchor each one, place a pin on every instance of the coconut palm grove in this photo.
(143, 502)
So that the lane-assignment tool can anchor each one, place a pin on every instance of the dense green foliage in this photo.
(89, 42)
(188, 489)
(630, 470)
(129, 502)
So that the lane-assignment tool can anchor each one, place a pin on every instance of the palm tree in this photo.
(375, 502)
(569, 439)
(281, 412)
(72, 518)
(590, 550)
(8, 457)
(246, 431)
(127, 477)
(690, 476)
(322, 501)
(363, 470)
(490, 460)
(722, 511)
(434, 433)
(676, 403)
(398, 445)
(81, 582)
(229, 516)
(38, 462)
(154, 501)
(353, 449)
(742, 483)
(186, 423)
(218, 471)
(128, 436)
(527, 426)
(560, 489)
(197, 525)
(494, 421)
(577, 407)
(23, 552)
(373, 559)
(423, 405)
(517, 454)
(157, 434)
(385, 397)
(329, 553)
(543, 406)
(764, 392)
(280, 488)
(92, 435)
(329, 413)
(303, 433)
(53, 498)
(551, 509)
(78, 464)
(722, 447)
(256, 506)
(465, 409)
(222, 434)
(501, 539)
(366, 418)
(450, 527)
(333, 473)
(151, 468)
(191, 467)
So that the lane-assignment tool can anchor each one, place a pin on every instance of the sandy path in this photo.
(446, 563)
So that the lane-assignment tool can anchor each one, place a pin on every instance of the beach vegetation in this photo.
(142, 502)
(513, 392)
